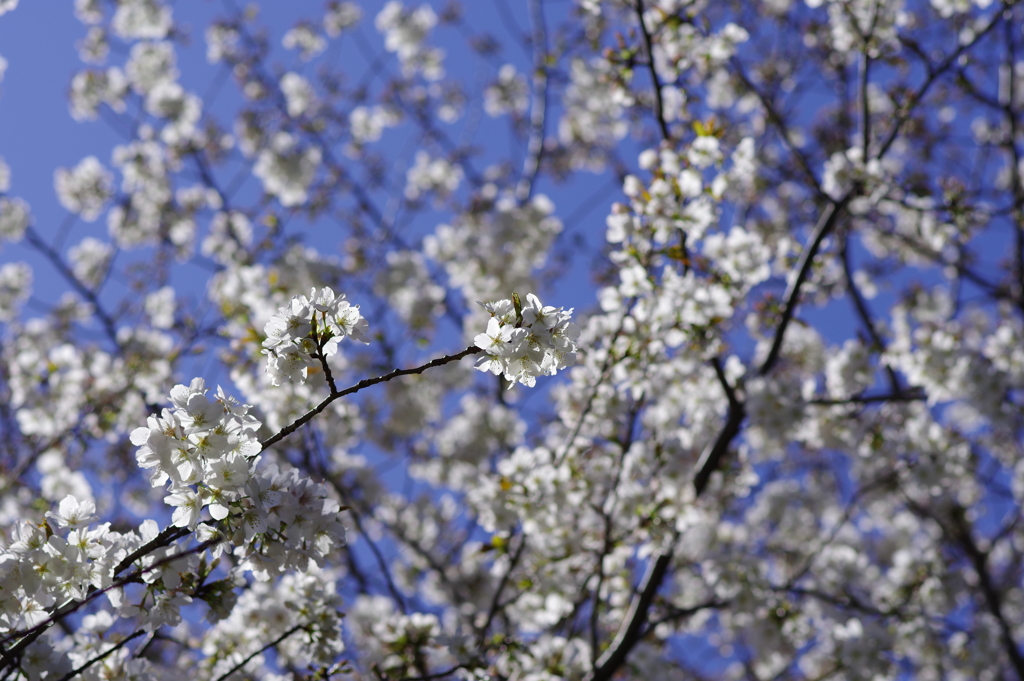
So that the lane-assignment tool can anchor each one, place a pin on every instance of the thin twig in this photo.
(659, 107)
(249, 658)
(636, 617)
(31, 634)
(75, 672)
(538, 104)
(365, 383)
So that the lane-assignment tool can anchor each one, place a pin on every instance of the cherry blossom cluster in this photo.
(207, 450)
(861, 512)
(302, 607)
(525, 341)
(307, 331)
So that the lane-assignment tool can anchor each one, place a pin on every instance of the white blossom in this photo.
(508, 94)
(91, 88)
(367, 124)
(160, 306)
(222, 42)
(405, 33)
(341, 16)
(89, 11)
(307, 329)
(286, 170)
(14, 218)
(539, 340)
(84, 189)
(304, 39)
(15, 288)
(299, 94)
(148, 19)
(94, 48)
(181, 109)
(90, 260)
(434, 175)
(150, 64)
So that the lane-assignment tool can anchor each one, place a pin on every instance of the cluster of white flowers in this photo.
(428, 175)
(507, 94)
(230, 234)
(15, 288)
(74, 558)
(148, 19)
(866, 25)
(683, 46)
(144, 167)
(222, 42)
(91, 88)
(854, 477)
(405, 32)
(367, 124)
(741, 255)
(203, 447)
(94, 47)
(298, 93)
(208, 451)
(495, 247)
(14, 218)
(181, 109)
(409, 288)
(595, 105)
(286, 170)
(150, 64)
(84, 189)
(341, 16)
(394, 642)
(306, 40)
(90, 260)
(160, 306)
(276, 521)
(268, 610)
(526, 341)
(307, 331)
(845, 169)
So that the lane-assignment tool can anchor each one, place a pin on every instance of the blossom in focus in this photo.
(525, 341)
(298, 329)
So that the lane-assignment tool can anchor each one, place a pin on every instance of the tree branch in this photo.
(538, 104)
(659, 107)
(249, 658)
(365, 383)
(629, 633)
(72, 674)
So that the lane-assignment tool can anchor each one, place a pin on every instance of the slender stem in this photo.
(826, 223)
(904, 112)
(775, 118)
(30, 635)
(724, 381)
(75, 672)
(861, 306)
(492, 611)
(249, 658)
(659, 107)
(538, 105)
(365, 383)
(915, 396)
(106, 320)
(629, 633)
